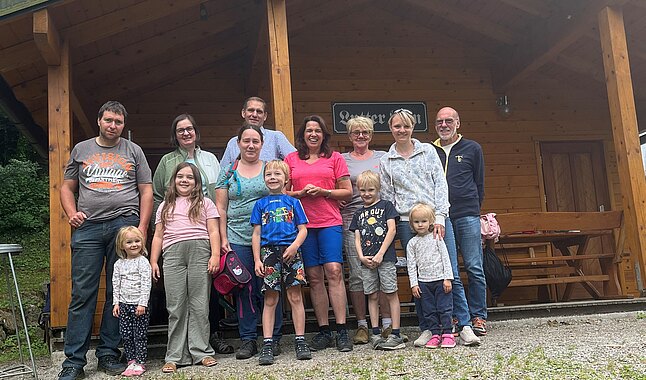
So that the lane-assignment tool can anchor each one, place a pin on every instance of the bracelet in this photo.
(329, 194)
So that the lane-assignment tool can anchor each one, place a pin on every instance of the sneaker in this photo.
(248, 349)
(266, 356)
(393, 342)
(343, 343)
(434, 342)
(321, 341)
(302, 350)
(129, 369)
(455, 329)
(361, 336)
(110, 365)
(468, 338)
(376, 340)
(423, 338)
(71, 373)
(275, 348)
(138, 370)
(448, 341)
(479, 326)
(219, 344)
(387, 331)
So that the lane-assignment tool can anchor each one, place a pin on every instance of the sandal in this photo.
(209, 361)
(169, 368)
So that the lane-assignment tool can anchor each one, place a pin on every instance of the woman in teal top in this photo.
(237, 190)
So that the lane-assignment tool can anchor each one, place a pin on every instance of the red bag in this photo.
(232, 274)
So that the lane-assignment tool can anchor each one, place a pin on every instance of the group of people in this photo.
(290, 213)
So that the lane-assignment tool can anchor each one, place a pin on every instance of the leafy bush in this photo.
(24, 197)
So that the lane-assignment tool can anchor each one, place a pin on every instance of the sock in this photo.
(340, 327)
(362, 322)
(396, 332)
(386, 322)
(376, 331)
(267, 341)
(325, 329)
(299, 338)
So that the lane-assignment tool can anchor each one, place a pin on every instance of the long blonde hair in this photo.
(195, 198)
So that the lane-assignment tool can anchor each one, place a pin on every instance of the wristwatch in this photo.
(329, 193)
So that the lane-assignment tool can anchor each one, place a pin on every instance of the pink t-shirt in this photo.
(180, 227)
(320, 211)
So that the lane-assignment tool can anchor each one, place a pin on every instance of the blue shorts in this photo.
(322, 245)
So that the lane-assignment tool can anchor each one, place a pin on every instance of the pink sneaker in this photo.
(129, 369)
(448, 341)
(434, 342)
(138, 370)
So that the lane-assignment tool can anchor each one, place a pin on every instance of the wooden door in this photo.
(575, 180)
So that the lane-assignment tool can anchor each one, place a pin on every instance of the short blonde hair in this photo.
(360, 121)
(121, 238)
(423, 210)
(368, 178)
(277, 164)
(407, 118)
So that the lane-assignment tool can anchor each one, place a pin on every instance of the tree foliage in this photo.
(24, 197)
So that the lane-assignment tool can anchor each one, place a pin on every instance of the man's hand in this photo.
(77, 219)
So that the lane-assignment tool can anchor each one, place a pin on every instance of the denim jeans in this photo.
(467, 236)
(249, 304)
(92, 243)
(438, 307)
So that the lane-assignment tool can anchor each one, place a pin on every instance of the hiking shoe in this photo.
(423, 338)
(393, 342)
(448, 341)
(248, 349)
(479, 326)
(376, 340)
(302, 350)
(321, 341)
(387, 331)
(275, 348)
(71, 373)
(434, 342)
(343, 343)
(361, 336)
(219, 344)
(266, 356)
(138, 369)
(110, 365)
(468, 338)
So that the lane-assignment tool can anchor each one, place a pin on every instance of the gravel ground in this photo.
(601, 346)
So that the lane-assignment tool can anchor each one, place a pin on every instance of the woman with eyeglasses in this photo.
(184, 136)
(319, 178)
(411, 172)
(361, 158)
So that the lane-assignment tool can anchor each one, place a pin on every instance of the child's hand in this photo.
(224, 244)
(214, 264)
(416, 292)
(289, 254)
(259, 268)
(141, 310)
(115, 311)
(447, 286)
(366, 260)
(377, 259)
(156, 273)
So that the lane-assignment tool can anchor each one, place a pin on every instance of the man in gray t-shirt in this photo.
(114, 185)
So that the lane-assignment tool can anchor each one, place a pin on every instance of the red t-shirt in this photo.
(320, 211)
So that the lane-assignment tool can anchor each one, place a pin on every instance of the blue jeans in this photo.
(468, 238)
(92, 243)
(438, 307)
(249, 301)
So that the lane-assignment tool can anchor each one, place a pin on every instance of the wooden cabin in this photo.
(550, 89)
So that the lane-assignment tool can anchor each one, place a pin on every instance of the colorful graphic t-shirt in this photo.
(372, 224)
(279, 216)
(108, 178)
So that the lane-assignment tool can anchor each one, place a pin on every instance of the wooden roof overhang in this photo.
(63, 61)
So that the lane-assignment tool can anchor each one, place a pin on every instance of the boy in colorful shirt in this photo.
(278, 231)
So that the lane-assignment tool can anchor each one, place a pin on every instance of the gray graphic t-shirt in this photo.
(108, 178)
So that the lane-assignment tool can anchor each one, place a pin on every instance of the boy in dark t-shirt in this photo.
(375, 226)
(278, 231)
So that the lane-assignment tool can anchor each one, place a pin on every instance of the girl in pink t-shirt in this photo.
(186, 231)
(320, 178)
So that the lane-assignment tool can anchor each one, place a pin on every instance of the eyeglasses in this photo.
(449, 122)
(359, 133)
(181, 131)
(403, 110)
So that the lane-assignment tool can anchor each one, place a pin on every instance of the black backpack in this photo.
(497, 274)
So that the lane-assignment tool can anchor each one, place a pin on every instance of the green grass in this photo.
(9, 348)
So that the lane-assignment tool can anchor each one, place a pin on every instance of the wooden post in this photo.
(57, 57)
(625, 131)
(279, 76)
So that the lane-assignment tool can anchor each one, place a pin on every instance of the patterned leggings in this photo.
(134, 330)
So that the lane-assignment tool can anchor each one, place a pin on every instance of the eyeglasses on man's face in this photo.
(181, 131)
(359, 133)
(449, 122)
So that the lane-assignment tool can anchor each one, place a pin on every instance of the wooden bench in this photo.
(576, 247)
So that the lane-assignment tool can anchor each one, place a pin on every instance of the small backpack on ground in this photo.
(489, 227)
(497, 274)
(231, 275)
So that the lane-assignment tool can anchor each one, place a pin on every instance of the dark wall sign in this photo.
(379, 112)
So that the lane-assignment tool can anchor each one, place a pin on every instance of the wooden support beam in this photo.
(625, 131)
(279, 74)
(546, 40)
(46, 37)
(60, 139)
